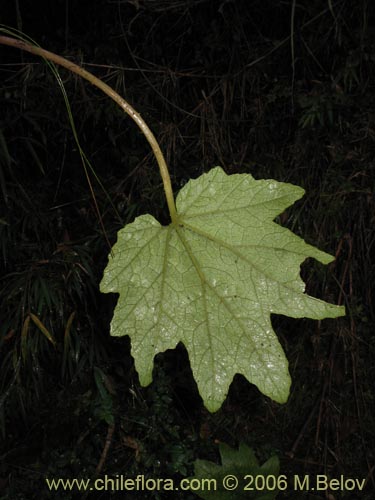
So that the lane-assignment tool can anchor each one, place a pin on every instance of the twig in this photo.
(107, 444)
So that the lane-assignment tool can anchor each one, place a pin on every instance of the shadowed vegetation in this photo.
(281, 90)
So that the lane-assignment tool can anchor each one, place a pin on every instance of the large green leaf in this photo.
(211, 281)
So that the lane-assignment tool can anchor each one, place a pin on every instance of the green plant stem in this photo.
(50, 56)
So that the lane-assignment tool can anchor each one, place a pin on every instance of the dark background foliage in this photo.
(281, 89)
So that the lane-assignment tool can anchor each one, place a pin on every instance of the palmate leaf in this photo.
(211, 280)
(244, 466)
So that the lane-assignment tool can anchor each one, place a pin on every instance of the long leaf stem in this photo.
(50, 56)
